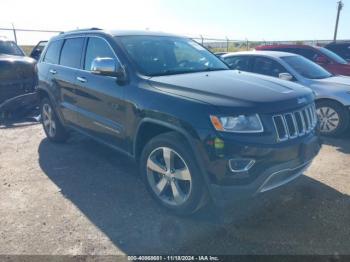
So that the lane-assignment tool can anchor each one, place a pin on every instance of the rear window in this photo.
(342, 49)
(71, 52)
(10, 48)
(332, 56)
(53, 52)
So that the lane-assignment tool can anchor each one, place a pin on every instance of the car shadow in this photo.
(341, 143)
(21, 122)
(304, 217)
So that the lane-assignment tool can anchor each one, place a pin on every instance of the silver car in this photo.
(332, 92)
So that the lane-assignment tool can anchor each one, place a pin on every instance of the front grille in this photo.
(294, 124)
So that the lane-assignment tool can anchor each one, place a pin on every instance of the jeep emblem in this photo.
(301, 100)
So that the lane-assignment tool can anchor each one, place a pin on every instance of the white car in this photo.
(332, 92)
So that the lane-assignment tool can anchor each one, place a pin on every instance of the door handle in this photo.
(81, 79)
(53, 71)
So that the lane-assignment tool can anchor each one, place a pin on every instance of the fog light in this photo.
(240, 165)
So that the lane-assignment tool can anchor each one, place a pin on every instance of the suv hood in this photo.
(16, 67)
(15, 58)
(236, 89)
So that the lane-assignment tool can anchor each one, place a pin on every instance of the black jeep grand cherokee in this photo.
(197, 129)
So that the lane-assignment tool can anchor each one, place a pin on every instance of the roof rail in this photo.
(81, 30)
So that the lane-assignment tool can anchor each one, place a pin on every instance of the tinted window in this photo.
(53, 52)
(163, 55)
(306, 68)
(333, 56)
(10, 48)
(269, 67)
(342, 49)
(71, 52)
(308, 53)
(238, 62)
(305, 52)
(96, 48)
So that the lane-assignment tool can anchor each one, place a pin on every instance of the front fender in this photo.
(189, 134)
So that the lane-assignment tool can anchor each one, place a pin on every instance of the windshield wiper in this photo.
(215, 69)
(179, 72)
(172, 72)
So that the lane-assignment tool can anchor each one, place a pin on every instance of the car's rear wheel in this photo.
(333, 118)
(172, 175)
(53, 128)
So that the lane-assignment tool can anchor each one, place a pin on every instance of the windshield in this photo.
(10, 48)
(161, 55)
(306, 68)
(333, 56)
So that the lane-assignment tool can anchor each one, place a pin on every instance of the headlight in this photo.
(238, 124)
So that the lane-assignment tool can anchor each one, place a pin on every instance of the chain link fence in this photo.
(28, 38)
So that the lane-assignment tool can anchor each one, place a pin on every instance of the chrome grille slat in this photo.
(291, 125)
(300, 123)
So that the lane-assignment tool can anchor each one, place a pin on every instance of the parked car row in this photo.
(197, 130)
(328, 79)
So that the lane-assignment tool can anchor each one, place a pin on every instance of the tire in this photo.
(328, 111)
(53, 127)
(192, 193)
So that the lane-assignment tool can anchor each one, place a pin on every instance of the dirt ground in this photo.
(83, 198)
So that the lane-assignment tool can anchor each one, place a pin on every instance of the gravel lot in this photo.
(83, 198)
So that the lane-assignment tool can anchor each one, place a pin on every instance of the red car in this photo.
(322, 56)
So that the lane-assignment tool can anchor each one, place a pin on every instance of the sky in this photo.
(258, 20)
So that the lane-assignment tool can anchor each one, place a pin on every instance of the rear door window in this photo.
(71, 52)
(267, 66)
(53, 52)
(238, 63)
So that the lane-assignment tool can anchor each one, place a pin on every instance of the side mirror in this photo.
(285, 76)
(321, 60)
(108, 67)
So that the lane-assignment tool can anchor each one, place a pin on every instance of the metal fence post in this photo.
(14, 32)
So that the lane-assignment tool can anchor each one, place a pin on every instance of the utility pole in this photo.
(340, 7)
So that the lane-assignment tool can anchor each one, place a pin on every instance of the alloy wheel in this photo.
(48, 121)
(329, 119)
(169, 176)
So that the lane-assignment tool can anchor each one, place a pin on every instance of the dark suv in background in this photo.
(340, 48)
(18, 78)
(198, 130)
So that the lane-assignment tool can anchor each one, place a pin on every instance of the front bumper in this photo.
(21, 103)
(269, 180)
(275, 166)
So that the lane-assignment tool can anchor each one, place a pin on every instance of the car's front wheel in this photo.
(53, 128)
(333, 118)
(172, 175)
